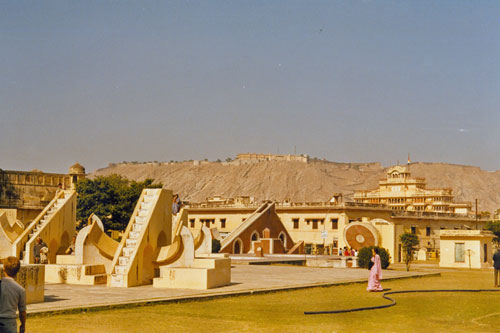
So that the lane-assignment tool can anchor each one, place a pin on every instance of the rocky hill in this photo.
(313, 181)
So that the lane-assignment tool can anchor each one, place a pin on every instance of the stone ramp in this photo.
(55, 225)
(149, 229)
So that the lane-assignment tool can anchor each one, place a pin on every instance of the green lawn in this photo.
(283, 311)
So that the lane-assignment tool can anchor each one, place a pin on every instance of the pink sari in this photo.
(375, 275)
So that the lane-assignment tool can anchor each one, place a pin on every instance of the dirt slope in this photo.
(315, 181)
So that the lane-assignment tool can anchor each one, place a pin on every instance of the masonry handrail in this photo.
(23, 238)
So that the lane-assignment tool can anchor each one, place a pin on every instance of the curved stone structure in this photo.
(189, 263)
(203, 242)
(8, 234)
(361, 234)
(171, 253)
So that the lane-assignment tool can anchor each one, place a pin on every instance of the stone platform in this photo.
(245, 279)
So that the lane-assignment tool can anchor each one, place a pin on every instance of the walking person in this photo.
(12, 298)
(496, 265)
(375, 272)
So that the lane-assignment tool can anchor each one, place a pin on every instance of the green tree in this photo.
(365, 255)
(494, 227)
(409, 243)
(215, 245)
(112, 198)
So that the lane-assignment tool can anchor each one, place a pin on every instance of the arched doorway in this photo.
(238, 246)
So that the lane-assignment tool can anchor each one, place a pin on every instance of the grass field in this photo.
(283, 311)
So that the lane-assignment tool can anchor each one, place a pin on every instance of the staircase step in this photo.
(143, 212)
(151, 191)
(146, 205)
(134, 234)
(140, 219)
(117, 280)
(128, 251)
(122, 261)
(149, 198)
(120, 269)
(137, 227)
(130, 242)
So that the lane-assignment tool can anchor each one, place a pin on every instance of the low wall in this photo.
(32, 279)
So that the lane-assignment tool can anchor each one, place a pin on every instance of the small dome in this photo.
(76, 169)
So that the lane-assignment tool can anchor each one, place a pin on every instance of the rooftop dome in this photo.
(76, 168)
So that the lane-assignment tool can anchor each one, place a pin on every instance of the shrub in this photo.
(215, 245)
(365, 255)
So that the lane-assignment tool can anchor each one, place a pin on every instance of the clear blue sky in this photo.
(350, 81)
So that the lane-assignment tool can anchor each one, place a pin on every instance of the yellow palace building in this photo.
(401, 204)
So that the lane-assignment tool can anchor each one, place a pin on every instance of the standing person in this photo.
(40, 250)
(176, 204)
(375, 272)
(37, 248)
(496, 265)
(12, 298)
(71, 248)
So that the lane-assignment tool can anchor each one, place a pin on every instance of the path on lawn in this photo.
(245, 279)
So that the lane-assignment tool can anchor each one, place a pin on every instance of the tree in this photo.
(409, 243)
(229, 159)
(112, 198)
(365, 255)
(494, 226)
(215, 245)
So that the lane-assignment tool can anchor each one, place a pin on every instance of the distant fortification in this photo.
(250, 158)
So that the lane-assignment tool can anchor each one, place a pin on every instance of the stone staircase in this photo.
(129, 247)
(38, 225)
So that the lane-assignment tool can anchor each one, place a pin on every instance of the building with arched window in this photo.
(401, 192)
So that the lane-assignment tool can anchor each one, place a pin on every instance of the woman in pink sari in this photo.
(375, 272)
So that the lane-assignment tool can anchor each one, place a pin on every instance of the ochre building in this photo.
(401, 192)
(401, 204)
(30, 191)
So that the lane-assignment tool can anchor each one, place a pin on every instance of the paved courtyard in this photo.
(245, 279)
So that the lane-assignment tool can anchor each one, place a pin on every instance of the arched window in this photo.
(255, 236)
(282, 237)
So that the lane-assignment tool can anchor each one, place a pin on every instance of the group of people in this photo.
(41, 250)
(348, 252)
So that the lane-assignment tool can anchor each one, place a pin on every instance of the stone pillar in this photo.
(343, 262)
(355, 262)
